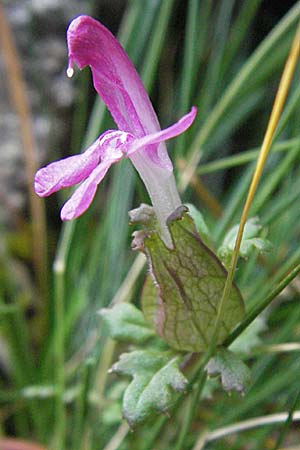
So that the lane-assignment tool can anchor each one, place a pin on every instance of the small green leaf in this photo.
(249, 242)
(126, 323)
(200, 224)
(235, 375)
(187, 285)
(155, 379)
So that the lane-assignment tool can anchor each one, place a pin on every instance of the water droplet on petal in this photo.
(70, 72)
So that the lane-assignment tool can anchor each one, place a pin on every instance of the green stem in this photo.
(194, 402)
(251, 316)
(60, 415)
(81, 406)
(59, 352)
(288, 422)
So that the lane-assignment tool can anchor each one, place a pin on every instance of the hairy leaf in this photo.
(249, 242)
(235, 375)
(187, 285)
(155, 379)
(126, 323)
(200, 224)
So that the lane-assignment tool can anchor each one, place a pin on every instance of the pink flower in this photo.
(139, 137)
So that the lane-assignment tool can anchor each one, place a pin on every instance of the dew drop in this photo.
(70, 72)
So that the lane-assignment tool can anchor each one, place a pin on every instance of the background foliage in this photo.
(226, 58)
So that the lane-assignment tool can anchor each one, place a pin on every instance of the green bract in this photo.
(154, 377)
(181, 301)
(235, 375)
(125, 323)
(250, 241)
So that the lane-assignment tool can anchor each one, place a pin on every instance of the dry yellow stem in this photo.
(279, 101)
(17, 91)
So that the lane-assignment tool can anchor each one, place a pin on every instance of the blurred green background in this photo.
(223, 56)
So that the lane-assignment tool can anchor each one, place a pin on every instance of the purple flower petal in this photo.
(67, 171)
(112, 151)
(139, 136)
(116, 81)
(115, 78)
(114, 145)
(168, 133)
(84, 194)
